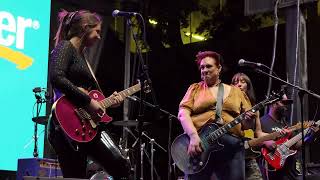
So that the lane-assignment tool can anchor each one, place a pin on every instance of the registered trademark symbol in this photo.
(35, 24)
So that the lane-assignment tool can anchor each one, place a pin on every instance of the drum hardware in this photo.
(101, 175)
(170, 117)
(129, 123)
(151, 159)
(143, 153)
(126, 151)
(43, 120)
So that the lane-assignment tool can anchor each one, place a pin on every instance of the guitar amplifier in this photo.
(38, 167)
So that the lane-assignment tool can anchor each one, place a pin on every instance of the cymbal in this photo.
(40, 120)
(129, 123)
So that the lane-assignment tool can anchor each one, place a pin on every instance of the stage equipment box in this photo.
(38, 167)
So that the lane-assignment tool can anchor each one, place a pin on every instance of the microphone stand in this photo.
(170, 117)
(35, 135)
(36, 120)
(301, 94)
(146, 84)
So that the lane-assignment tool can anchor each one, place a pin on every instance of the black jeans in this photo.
(72, 156)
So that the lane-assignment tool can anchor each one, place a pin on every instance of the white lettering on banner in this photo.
(15, 30)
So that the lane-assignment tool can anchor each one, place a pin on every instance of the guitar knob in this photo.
(90, 132)
(83, 135)
(77, 132)
(83, 127)
(200, 163)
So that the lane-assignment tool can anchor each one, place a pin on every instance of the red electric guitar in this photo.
(278, 157)
(252, 145)
(80, 124)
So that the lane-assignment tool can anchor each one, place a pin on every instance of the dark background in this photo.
(173, 69)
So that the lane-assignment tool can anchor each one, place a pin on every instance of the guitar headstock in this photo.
(273, 97)
(306, 124)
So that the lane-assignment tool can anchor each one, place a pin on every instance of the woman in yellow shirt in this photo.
(197, 108)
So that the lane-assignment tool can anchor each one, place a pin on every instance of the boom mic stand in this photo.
(146, 84)
(301, 94)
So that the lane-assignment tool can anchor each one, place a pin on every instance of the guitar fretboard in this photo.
(224, 129)
(256, 141)
(107, 102)
(297, 137)
(273, 135)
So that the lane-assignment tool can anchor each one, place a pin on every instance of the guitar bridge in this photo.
(271, 156)
(85, 116)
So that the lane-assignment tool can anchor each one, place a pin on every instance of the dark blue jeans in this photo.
(227, 164)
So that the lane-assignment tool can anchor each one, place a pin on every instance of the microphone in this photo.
(117, 13)
(37, 89)
(243, 62)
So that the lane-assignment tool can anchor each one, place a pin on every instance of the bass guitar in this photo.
(278, 157)
(209, 136)
(78, 123)
(252, 144)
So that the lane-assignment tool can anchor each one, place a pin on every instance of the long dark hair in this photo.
(250, 91)
(75, 23)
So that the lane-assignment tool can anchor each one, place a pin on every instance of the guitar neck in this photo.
(258, 141)
(107, 102)
(297, 137)
(225, 128)
(271, 136)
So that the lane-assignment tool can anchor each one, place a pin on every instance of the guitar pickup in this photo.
(83, 115)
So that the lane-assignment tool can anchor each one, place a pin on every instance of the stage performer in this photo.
(71, 76)
(201, 99)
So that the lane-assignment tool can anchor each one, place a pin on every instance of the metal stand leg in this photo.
(35, 136)
(152, 155)
(141, 160)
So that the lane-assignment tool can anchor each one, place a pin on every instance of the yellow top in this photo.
(201, 103)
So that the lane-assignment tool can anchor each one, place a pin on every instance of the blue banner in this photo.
(24, 45)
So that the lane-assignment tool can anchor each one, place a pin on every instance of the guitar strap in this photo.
(91, 71)
(219, 103)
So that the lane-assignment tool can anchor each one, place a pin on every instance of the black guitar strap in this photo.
(219, 103)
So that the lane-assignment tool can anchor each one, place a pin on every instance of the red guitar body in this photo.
(278, 157)
(75, 121)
